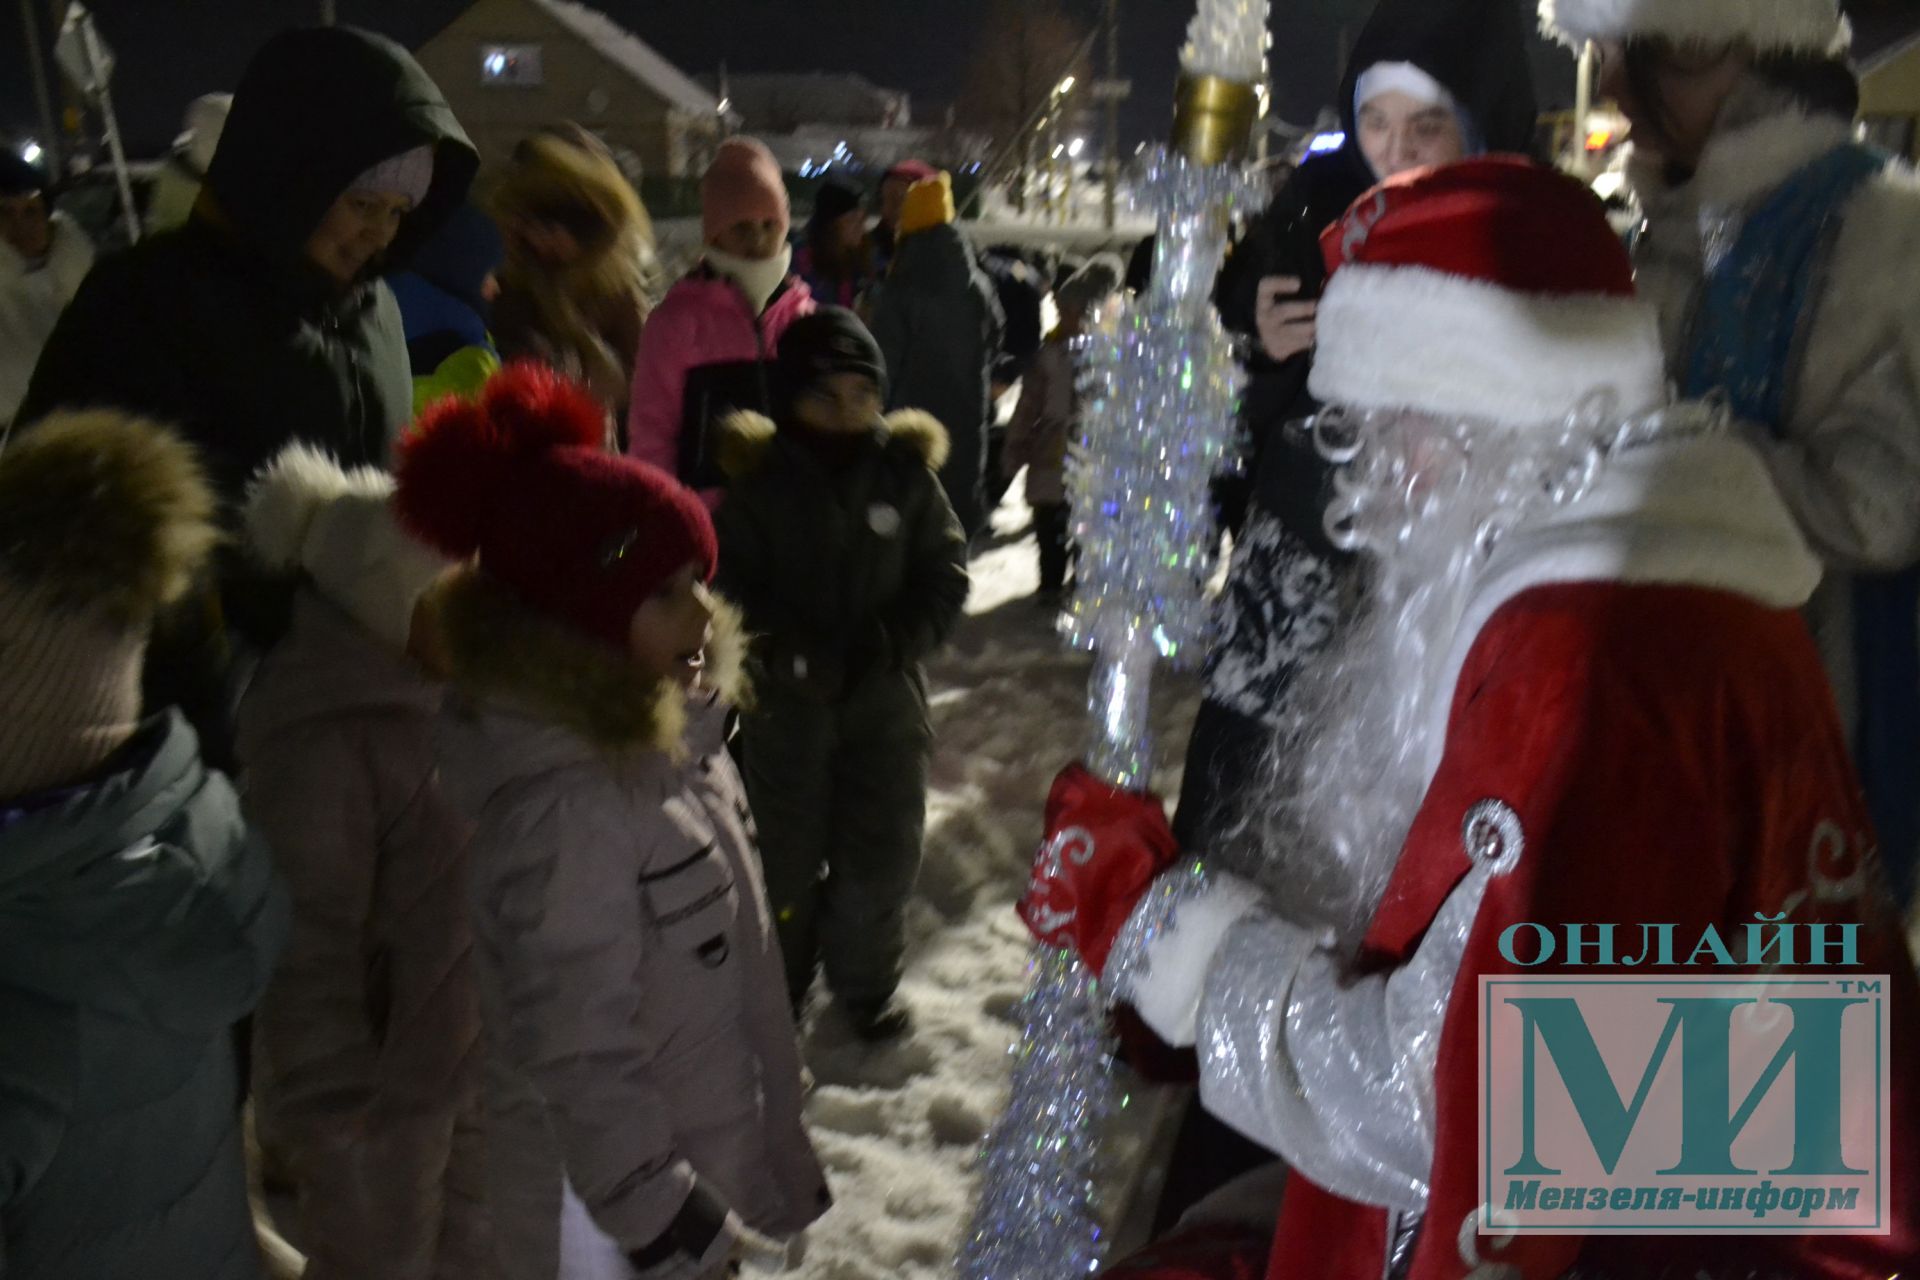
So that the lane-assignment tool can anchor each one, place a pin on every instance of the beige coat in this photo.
(632, 987)
(368, 1055)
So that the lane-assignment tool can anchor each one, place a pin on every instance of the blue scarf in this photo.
(1746, 342)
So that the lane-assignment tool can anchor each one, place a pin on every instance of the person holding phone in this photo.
(1428, 83)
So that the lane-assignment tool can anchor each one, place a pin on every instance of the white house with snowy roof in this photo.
(509, 67)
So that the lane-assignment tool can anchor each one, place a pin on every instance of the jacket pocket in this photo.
(693, 906)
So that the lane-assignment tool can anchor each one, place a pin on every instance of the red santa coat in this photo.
(1636, 687)
(1670, 753)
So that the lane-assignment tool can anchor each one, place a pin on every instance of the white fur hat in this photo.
(304, 512)
(1770, 26)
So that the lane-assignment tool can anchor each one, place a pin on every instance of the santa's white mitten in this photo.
(1160, 959)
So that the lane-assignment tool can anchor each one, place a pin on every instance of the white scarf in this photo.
(758, 278)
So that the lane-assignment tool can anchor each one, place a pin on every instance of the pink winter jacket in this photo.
(701, 341)
(367, 1063)
(631, 982)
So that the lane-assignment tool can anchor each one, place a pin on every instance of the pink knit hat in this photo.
(743, 184)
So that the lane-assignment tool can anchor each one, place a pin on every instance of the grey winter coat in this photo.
(368, 1041)
(639, 1038)
(1045, 425)
(938, 322)
(138, 922)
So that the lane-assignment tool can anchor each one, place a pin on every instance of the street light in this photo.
(1076, 147)
(1065, 87)
(31, 152)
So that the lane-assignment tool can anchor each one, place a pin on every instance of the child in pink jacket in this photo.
(643, 1083)
(707, 349)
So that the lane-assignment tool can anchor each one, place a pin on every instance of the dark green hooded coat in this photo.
(938, 323)
(138, 923)
(225, 329)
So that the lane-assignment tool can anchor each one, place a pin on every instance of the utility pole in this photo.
(37, 63)
(1110, 200)
(1582, 113)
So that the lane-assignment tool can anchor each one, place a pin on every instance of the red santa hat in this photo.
(1491, 289)
(1770, 26)
(521, 479)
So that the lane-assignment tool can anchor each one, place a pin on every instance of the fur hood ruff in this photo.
(1866, 306)
(503, 653)
(745, 437)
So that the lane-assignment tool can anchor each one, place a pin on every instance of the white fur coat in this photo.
(1848, 461)
(30, 301)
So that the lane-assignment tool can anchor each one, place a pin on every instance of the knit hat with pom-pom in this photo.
(105, 520)
(520, 479)
(304, 513)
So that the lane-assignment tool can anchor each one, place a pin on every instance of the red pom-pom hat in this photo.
(1491, 289)
(521, 478)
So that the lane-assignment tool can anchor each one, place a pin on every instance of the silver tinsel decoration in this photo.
(1159, 387)
(1160, 382)
(1229, 39)
(1035, 1218)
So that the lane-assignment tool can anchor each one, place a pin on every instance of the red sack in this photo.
(1103, 848)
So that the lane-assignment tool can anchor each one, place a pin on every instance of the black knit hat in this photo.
(833, 200)
(831, 340)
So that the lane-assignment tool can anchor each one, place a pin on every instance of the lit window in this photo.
(510, 66)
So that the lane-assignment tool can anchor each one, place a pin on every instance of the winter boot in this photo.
(879, 1023)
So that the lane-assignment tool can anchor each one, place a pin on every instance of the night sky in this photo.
(173, 50)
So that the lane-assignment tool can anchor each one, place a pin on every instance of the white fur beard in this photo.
(1356, 744)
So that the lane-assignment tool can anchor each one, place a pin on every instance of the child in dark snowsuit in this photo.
(841, 547)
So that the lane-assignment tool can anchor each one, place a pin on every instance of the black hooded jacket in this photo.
(1478, 50)
(224, 328)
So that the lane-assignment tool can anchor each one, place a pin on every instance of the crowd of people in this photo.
(463, 704)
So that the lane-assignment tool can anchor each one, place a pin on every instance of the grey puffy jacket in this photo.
(631, 986)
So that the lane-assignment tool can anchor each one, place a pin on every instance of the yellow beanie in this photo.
(929, 204)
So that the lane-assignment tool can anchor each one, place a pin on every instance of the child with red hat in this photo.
(706, 350)
(643, 1083)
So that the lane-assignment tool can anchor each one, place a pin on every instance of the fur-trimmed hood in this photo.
(506, 658)
(746, 436)
(104, 513)
(1739, 163)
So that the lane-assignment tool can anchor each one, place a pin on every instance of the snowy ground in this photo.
(898, 1128)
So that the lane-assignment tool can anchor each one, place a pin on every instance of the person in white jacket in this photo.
(43, 257)
(1784, 259)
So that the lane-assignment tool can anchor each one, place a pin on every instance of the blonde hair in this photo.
(565, 176)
